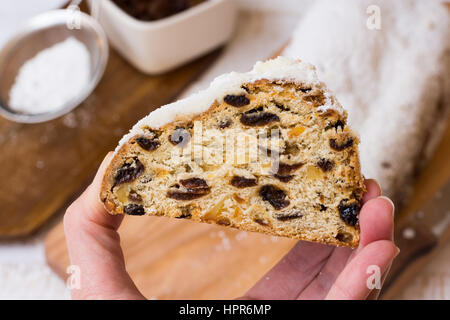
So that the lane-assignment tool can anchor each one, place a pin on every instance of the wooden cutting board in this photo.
(178, 259)
(43, 165)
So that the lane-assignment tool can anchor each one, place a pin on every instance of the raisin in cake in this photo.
(266, 151)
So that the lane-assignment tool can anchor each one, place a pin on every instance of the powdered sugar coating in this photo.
(281, 68)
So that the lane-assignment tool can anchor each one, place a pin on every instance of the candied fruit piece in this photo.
(314, 173)
(237, 198)
(215, 213)
(121, 193)
(295, 132)
(237, 213)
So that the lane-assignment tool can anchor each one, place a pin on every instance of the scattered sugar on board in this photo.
(409, 233)
(70, 120)
(51, 78)
(40, 164)
(225, 242)
(241, 235)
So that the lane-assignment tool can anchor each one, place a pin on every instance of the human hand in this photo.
(308, 271)
(316, 271)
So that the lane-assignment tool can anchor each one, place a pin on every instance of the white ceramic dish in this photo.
(159, 46)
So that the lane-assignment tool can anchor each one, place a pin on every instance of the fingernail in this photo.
(108, 157)
(397, 251)
(379, 187)
(390, 201)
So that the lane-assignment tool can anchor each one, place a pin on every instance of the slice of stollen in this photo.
(266, 151)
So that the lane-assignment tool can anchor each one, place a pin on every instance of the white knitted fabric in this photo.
(391, 80)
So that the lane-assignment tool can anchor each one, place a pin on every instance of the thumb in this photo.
(94, 247)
